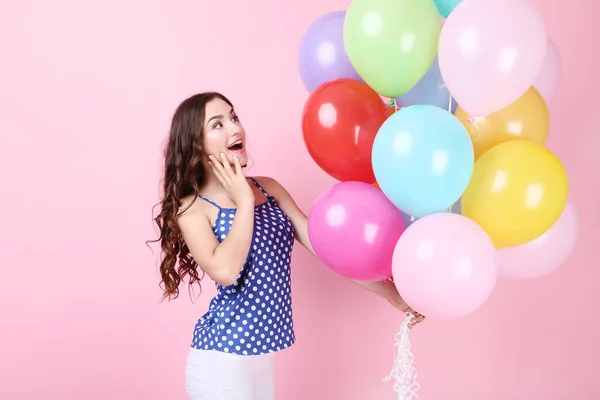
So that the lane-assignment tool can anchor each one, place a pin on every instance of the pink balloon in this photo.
(549, 76)
(353, 229)
(490, 53)
(445, 266)
(545, 254)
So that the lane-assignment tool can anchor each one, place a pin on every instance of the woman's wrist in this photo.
(246, 206)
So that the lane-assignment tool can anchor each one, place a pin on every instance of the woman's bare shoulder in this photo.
(192, 207)
(268, 183)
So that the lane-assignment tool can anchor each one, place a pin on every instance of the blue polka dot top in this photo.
(253, 315)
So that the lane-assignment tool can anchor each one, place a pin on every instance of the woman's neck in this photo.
(211, 183)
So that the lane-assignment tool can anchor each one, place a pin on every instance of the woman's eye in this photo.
(236, 118)
(217, 125)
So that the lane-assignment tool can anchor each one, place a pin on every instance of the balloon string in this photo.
(403, 371)
(473, 121)
(450, 111)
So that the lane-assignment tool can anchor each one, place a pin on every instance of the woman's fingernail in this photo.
(210, 163)
(222, 154)
(211, 157)
(234, 157)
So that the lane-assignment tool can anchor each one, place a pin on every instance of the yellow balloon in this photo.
(517, 192)
(526, 118)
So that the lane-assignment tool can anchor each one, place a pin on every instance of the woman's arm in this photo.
(385, 289)
(223, 261)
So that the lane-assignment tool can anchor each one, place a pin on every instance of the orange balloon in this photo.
(526, 118)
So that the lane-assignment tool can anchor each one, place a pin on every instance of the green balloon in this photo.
(392, 43)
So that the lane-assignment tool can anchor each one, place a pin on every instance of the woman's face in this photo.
(223, 132)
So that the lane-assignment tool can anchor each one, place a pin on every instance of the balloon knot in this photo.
(471, 120)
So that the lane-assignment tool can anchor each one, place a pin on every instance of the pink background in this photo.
(87, 90)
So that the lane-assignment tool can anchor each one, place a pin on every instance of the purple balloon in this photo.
(322, 56)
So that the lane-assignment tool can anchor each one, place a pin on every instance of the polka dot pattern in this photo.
(253, 315)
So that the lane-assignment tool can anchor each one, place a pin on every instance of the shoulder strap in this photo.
(260, 188)
(209, 201)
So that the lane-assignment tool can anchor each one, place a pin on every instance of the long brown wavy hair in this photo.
(183, 176)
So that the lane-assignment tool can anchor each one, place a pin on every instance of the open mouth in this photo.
(236, 146)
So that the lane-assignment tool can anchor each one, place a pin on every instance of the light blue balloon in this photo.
(430, 90)
(422, 159)
(445, 7)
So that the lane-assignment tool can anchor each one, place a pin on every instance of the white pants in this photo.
(214, 375)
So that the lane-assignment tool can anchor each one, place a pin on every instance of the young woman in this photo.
(240, 232)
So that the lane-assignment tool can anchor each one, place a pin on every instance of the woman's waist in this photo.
(254, 289)
(249, 316)
(258, 332)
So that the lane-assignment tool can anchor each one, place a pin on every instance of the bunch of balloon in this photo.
(453, 186)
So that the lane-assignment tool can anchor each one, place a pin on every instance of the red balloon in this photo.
(339, 123)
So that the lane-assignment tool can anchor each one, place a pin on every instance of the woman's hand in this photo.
(234, 181)
(418, 317)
